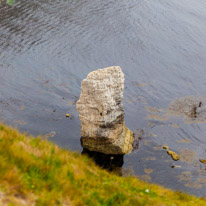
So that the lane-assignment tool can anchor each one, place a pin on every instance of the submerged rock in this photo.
(101, 112)
(192, 108)
(50, 134)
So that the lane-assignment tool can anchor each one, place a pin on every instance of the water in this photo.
(47, 48)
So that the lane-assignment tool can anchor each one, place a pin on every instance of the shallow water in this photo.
(47, 48)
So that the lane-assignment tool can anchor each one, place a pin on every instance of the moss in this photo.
(34, 171)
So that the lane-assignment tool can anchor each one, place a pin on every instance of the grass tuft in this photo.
(34, 171)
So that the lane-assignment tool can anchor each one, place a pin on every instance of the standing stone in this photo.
(101, 112)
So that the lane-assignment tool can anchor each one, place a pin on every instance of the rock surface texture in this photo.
(101, 112)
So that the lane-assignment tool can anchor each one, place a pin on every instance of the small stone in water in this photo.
(203, 161)
(165, 147)
(174, 155)
(175, 166)
(67, 115)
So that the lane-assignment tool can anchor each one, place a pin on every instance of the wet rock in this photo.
(67, 115)
(174, 155)
(203, 161)
(101, 112)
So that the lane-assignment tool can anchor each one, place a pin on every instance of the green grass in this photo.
(34, 171)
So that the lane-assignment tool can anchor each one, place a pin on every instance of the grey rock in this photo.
(101, 112)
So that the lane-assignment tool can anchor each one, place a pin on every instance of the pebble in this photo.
(165, 147)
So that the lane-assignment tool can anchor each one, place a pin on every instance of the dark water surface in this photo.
(47, 47)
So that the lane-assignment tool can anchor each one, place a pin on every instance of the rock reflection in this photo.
(107, 161)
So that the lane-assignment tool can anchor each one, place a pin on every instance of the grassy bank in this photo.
(36, 172)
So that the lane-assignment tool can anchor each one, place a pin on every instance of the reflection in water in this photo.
(106, 161)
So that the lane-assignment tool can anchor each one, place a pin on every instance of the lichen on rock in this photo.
(101, 112)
